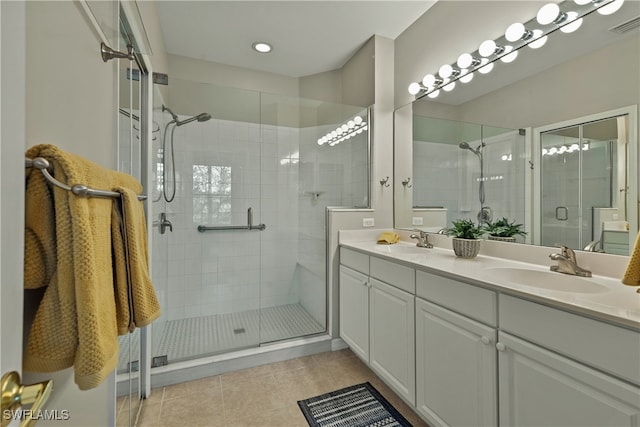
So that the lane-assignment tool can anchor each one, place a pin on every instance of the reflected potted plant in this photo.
(465, 238)
(503, 230)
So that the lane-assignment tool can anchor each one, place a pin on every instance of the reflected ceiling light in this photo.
(344, 132)
(262, 47)
(466, 76)
(449, 86)
(538, 40)
(572, 23)
(611, 7)
(485, 69)
(550, 13)
(510, 56)
(566, 15)
(517, 31)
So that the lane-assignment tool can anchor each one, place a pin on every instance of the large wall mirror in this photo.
(555, 150)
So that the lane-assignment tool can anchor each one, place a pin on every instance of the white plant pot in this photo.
(466, 248)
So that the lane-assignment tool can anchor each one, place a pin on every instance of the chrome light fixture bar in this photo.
(565, 16)
(343, 132)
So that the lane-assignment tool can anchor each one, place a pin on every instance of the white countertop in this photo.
(614, 302)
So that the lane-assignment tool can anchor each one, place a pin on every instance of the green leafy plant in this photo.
(504, 228)
(465, 229)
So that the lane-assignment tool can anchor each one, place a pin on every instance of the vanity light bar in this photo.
(565, 16)
(564, 149)
(345, 131)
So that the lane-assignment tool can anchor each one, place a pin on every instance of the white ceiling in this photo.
(308, 37)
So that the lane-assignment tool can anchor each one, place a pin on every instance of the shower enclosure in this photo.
(224, 282)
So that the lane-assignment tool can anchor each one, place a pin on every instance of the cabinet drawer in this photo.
(606, 347)
(394, 274)
(356, 260)
(472, 301)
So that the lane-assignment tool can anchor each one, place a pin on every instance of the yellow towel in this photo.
(68, 251)
(632, 274)
(388, 238)
(136, 302)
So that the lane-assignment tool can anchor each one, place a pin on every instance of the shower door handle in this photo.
(562, 213)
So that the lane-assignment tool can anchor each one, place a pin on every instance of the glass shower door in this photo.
(561, 187)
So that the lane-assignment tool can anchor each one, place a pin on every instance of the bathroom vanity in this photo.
(491, 341)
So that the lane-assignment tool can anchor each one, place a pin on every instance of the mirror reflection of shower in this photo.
(484, 215)
(175, 121)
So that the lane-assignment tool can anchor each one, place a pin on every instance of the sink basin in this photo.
(400, 249)
(547, 280)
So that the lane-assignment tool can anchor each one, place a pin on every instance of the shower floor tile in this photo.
(199, 336)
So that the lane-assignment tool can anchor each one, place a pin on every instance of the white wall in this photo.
(71, 101)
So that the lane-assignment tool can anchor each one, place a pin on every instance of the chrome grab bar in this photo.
(249, 226)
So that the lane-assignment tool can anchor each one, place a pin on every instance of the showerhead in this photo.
(202, 117)
(465, 146)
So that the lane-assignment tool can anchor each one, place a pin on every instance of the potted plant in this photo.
(465, 238)
(503, 230)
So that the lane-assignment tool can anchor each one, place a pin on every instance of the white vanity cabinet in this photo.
(456, 358)
(565, 369)
(377, 318)
(354, 311)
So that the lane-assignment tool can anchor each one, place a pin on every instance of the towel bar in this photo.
(78, 189)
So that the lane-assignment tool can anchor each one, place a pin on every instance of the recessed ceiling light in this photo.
(261, 47)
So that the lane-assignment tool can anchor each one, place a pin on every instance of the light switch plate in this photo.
(368, 222)
(417, 220)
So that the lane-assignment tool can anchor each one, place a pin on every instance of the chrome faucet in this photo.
(567, 263)
(423, 239)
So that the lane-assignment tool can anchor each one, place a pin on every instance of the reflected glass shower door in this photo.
(580, 181)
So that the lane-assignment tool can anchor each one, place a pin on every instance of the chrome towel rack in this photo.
(78, 189)
(249, 226)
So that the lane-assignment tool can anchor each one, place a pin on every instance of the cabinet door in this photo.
(455, 368)
(354, 311)
(391, 320)
(541, 388)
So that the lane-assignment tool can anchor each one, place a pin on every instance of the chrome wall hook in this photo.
(108, 53)
(385, 182)
(406, 184)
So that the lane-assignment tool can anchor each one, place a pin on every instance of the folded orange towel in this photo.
(388, 238)
(632, 274)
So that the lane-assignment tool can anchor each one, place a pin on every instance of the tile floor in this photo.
(264, 396)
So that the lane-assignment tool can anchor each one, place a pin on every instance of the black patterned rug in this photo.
(355, 406)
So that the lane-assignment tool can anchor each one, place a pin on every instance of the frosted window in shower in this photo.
(211, 194)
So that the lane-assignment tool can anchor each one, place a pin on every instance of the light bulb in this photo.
(515, 32)
(429, 81)
(611, 7)
(574, 147)
(351, 124)
(434, 94)
(486, 68)
(449, 87)
(465, 60)
(344, 128)
(357, 120)
(538, 41)
(581, 2)
(334, 134)
(487, 48)
(548, 14)
(562, 149)
(573, 23)
(414, 88)
(466, 77)
(339, 130)
(320, 142)
(509, 57)
(545, 151)
(445, 71)
(553, 150)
